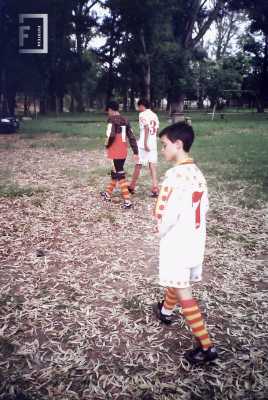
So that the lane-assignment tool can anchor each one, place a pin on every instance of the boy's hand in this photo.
(146, 147)
(136, 158)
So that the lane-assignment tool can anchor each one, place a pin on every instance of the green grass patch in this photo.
(6, 346)
(14, 190)
(232, 155)
(6, 146)
(111, 218)
(132, 304)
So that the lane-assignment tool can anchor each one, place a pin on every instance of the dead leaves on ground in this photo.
(76, 322)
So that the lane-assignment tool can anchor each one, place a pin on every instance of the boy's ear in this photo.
(179, 144)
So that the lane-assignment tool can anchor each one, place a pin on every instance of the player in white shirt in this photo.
(180, 211)
(149, 125)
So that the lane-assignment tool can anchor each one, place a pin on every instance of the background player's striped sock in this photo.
(192, 314)
(112, 186)
(170, 302)
(123, 185)
(155, 189)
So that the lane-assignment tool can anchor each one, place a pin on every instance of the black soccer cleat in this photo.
(106, 195)
(126, 204)
(157, 307)
(201, 356)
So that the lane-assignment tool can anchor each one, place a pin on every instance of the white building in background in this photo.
(206, 103)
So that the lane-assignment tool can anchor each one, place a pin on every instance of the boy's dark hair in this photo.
(113, 105)
(144, 101)
(179, 131)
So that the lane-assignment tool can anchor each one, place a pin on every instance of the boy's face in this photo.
(110, 112)
(141, 108)
(170, 150)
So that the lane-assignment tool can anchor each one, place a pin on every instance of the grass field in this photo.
(77, 323)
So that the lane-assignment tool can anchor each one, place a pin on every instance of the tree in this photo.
(227, 29)
(257, 12)
(110, 51)
(84, 24)
(189, 21)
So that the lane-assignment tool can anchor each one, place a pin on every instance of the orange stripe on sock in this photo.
(113, 182)
(170, 300)
(196, 324)
(123, 185)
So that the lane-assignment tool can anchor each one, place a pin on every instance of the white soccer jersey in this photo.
(148, 117)
(180, 211)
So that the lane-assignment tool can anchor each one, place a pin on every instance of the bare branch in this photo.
(190, 43)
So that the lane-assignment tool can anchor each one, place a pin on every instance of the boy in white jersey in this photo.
(149, 124)
(180, 211)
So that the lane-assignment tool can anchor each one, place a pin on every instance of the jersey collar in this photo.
(185, 161)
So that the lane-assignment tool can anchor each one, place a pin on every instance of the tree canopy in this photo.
(154, 48)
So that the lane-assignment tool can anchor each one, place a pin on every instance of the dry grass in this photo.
(77, 323)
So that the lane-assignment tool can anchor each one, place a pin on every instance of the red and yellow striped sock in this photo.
(123, 185)
(155, 189)
(192, 314)
(113, 182)
(170, 299)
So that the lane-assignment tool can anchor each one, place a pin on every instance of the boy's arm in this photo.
(167, 209)
(110, 134)
(146, 134)
(132, 140)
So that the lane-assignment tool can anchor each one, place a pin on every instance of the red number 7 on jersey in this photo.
(197, 196)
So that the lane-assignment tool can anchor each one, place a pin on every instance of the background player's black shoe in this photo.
(155, 194)
(200, 356)
(106, 195)
(157, 307)
(126, 204)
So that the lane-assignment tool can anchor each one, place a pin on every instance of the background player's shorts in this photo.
(147, 156)
(183, 278)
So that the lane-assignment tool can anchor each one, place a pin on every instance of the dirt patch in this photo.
(80, 318)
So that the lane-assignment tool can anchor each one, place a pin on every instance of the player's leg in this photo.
(164, 309)
(113, 182)
(206, 351)
(154, 178)
(135, 176)
(119, 165)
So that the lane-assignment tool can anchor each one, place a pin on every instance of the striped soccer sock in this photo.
(170, 302)
(192, 314)
(123, 185)
(112, 186)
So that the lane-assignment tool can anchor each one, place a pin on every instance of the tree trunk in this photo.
(71, 109)
(43, 107)
(146, 69)
(35, 110)
(11, 101)
(177, 106)
(56, 105)
(79, 97)
(61, 103)
(125, 102)
(25, 105)
(110, 86)
(132, 97)
(5, 103)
